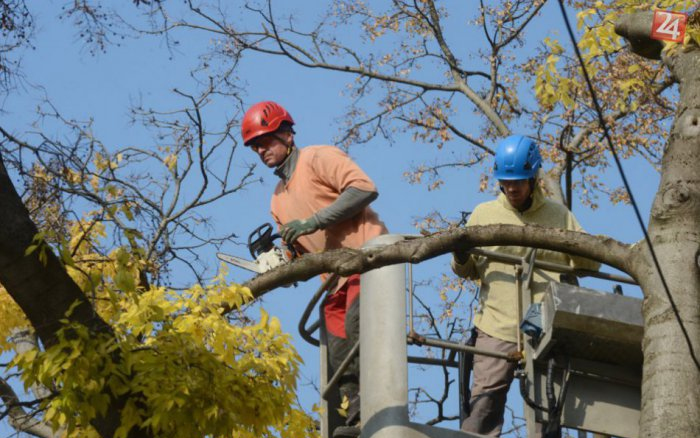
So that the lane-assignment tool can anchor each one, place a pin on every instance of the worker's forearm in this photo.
(350, 202)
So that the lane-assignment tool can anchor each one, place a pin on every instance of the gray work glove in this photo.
(292, 230)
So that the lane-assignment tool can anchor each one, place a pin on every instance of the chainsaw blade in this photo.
(240, 262)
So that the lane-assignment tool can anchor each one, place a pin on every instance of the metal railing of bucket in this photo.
(384, 336)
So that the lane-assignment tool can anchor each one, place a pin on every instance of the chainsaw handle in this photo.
(262, 240)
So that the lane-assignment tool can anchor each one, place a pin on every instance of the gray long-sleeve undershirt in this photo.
(350, 202)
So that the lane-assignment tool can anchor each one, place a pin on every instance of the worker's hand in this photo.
(292, 230)
(460, 257)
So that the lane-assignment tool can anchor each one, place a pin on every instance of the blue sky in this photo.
(103, 87)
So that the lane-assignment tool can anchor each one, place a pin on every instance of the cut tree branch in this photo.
(415, 250)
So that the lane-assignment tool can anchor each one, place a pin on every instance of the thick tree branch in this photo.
(21, 420)
(44, 290)
(25, 340)
(636, 28)
(351, 261)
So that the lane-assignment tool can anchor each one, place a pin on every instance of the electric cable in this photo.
(606, 133)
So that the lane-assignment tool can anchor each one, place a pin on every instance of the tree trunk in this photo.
(44, 290)
(671, 381)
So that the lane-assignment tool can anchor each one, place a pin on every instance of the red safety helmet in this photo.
(263, 118)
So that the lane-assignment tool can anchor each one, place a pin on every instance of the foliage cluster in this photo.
(184, 368)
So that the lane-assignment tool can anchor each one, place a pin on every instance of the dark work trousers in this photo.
(492, 378)
(341, 312)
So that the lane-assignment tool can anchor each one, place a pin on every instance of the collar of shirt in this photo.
(285, 170)
(537, 202)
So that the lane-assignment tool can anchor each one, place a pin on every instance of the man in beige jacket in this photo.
(521, 202)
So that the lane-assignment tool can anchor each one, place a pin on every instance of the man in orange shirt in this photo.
(320, 203)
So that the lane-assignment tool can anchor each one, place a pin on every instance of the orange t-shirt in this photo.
(320, 176)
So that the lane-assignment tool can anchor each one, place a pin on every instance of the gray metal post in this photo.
(383, 355)
(383, 350)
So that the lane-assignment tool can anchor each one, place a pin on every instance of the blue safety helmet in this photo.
(517, 157)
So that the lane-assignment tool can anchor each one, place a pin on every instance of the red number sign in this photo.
(669, 26)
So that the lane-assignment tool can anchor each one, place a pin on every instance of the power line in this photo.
(606, 133)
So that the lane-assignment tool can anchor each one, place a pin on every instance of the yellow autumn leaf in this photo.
(170, 161)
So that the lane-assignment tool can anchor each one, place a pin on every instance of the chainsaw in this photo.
(266, 255)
